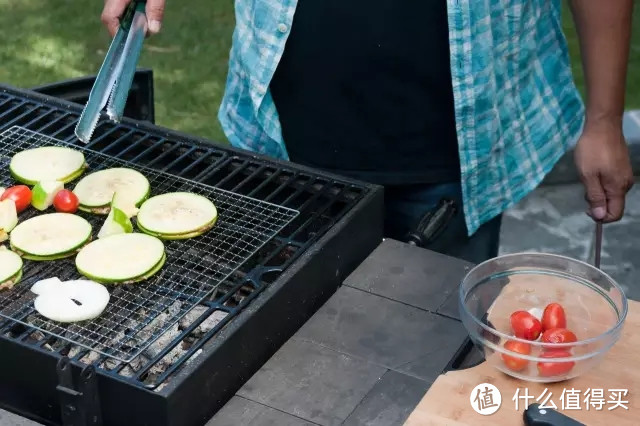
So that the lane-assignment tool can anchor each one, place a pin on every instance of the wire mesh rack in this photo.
(140, 313)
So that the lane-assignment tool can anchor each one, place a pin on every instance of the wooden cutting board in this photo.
(447, 401)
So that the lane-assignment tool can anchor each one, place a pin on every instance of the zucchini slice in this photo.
(96, 190)
(121, 258)
(10, 269)
(48, 163)
(177, 215)
(50, 236)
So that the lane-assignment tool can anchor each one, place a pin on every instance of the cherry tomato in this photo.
(20, 194)
(513, 362)
(66, 201)
(548, 369)
(559, 335)
(553, 317)
(525, 325)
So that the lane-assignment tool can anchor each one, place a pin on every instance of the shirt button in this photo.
(282, 28)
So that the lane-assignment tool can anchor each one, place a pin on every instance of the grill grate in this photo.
(194, 268)
(322, 201)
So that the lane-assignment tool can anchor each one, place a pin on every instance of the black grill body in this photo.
(267, 299)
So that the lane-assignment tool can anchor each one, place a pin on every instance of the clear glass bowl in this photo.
(595, 308)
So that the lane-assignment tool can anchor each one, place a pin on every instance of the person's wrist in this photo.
(603, 121)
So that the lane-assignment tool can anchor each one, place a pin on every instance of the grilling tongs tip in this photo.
(113, 82)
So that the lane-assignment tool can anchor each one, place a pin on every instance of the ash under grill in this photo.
(196, 363)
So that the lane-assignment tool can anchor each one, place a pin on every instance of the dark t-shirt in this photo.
(364, 89)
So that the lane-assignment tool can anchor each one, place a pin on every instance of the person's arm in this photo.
(601, 155)
(113, 10)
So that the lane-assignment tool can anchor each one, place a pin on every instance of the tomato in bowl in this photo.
(541, 317)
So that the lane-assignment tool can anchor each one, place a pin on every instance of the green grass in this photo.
(44, 41)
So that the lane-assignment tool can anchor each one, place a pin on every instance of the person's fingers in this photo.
(155, 12)
(595, 196)
(615, 207)
(111, 14)
(616, 187)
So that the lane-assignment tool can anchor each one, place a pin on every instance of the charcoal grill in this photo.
(173, 351)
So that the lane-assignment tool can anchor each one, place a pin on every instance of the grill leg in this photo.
(80, 407)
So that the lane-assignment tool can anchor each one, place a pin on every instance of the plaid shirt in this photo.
(516, 106)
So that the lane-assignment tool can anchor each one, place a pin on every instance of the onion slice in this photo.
(70, 301)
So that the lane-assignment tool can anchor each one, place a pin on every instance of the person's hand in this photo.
(113, 10)
(602, 160)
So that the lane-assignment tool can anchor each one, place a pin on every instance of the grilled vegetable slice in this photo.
(95, 191)
(121, 258)
(10, 269)
(44, 192)
(46, 284)
(70, 301)
(47, 163)
(50, 236)
(177, 215)
(8, 218)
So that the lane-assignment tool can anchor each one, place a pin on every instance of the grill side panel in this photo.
(28, 383)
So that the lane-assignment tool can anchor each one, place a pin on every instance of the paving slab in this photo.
(312, 382)
(552, 219)
(390, 401)
(419, 278)
(385, 332)
(10, 419)
(241, 411)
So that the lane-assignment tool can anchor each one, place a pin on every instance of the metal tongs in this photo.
(115, 77)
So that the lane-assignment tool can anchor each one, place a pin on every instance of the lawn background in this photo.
(44, 41)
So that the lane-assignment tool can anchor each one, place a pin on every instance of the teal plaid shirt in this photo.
(516, 106)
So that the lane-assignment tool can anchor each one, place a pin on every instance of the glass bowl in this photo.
(595, 307)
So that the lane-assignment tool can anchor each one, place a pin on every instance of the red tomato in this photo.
(553, 317)
(66, 201)
(559, 335)
(548, 369)
(513, 362)
(20, 194)
(525, 325)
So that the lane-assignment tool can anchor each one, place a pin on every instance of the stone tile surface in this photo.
(419, 278)
(390, 401)
(10, 419)
(385, 332)
(552, 220)
(312, 382)
(241, 411)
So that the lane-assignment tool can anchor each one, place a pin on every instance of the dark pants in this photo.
(405, 206)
